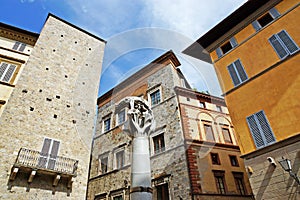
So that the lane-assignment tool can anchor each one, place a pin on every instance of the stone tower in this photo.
(47, 125)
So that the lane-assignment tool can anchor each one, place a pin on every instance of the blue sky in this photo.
(136, 31)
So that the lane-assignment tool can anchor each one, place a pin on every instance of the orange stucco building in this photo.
(255, 53)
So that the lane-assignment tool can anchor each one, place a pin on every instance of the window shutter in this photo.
(233, 75)
(256, 25)
(219, 52)
(257, 137)
(3, 67)
(22, 47)
(233, 42)
(16, 45)
(44, 153)
(264, 124)
(274, 13)
(240, 70)
(288, 42)
(281, 52)
(9, 73)
(53, 154)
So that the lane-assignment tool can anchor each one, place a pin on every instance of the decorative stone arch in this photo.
(209, 119)
(220, 123)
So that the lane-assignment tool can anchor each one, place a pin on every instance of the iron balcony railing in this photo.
(35, 159)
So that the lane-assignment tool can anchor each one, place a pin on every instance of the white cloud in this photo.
(156, 24)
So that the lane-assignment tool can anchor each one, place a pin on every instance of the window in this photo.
(226, 135)
(220, 182)
(162, 192)
(219, 108)
(48, 154)
(209, 132)
(260, 129)
(226, 47)
(265, 19)
(6, 71)
(202, 104)
(118, 197)
(121, 116)
(234, 161)
(100, 197)
(103, 165)
(106, 124)
(215, 159)
(239, 182)
(159, 143)
(155, 97)
(237, 72)
(19, 46)
(120, 159)
(283, 44)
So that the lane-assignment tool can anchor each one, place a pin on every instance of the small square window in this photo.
(226, 47)
(106, 125)
(118, 197)
(219, 108)
(159, 143)
(265, 20)
(155, 97)
(234, 161)
(202, 104)
(215, 158)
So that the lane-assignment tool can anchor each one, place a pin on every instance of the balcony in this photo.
(33, 162)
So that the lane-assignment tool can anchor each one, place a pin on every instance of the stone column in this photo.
(139, 125)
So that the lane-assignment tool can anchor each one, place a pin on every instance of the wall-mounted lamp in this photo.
(286, 165)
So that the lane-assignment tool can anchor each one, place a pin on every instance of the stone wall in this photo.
(54, 98)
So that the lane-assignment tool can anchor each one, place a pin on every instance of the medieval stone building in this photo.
(193, 150)
(48, 90)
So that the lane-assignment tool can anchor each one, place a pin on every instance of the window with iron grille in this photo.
(220, 181)
(260, 129)
(283, 44)
(239, 182)
(155, 97)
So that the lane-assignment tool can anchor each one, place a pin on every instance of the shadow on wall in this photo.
(265, 182)
(291, 181)
(40, 182)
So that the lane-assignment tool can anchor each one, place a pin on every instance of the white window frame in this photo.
(282, 44)
(125, 116)
(115, 157)
(102, 156)
(257, 132)
(237, 73)
(103, 123)
(159, 88)
(4, 71)
(153, 144)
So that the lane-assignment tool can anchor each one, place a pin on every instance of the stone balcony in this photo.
(33, 162)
